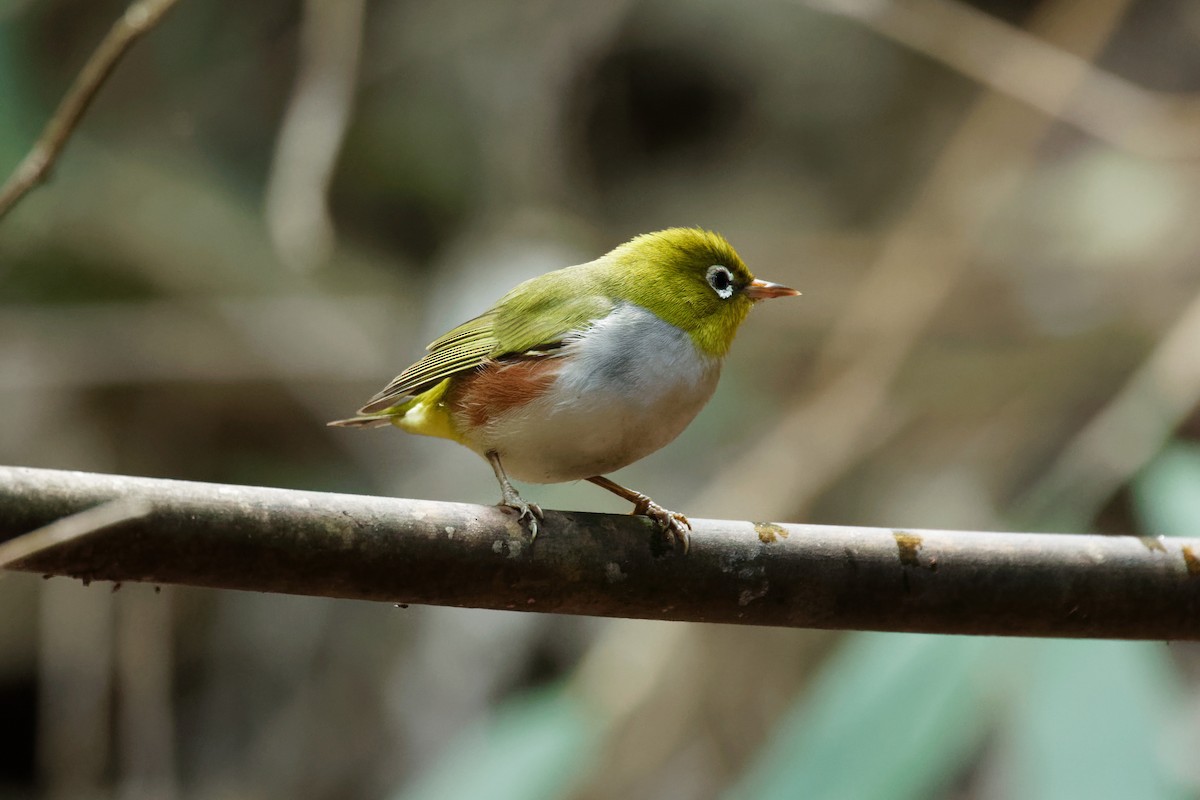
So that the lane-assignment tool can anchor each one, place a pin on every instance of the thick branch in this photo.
(412, 551)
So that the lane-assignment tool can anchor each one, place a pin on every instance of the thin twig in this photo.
(412, 551)
(138, 19)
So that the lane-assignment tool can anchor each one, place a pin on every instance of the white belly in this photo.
(627, 387)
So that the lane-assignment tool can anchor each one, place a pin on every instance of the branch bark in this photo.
(413, 551)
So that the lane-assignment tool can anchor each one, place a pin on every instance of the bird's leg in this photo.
(676, 526)
(509, 496)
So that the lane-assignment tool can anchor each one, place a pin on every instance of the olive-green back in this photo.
(538, 314)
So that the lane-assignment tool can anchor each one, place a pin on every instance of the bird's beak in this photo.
(764, 290)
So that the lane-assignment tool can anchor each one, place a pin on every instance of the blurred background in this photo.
(271, 207)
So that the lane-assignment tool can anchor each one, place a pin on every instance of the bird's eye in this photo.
(721, 280)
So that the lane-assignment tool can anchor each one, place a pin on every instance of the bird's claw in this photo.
(509, 498)
(524, 510)
(675, 525)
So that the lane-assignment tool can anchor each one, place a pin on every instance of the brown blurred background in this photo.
(991, 209)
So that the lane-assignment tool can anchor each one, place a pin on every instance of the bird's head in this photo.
(691, 278)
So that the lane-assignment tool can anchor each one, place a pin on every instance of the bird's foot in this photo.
(524, 510)
(675, 525)
(510, 499)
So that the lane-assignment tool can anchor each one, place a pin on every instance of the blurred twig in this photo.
(312, 132)
(75, 691)
(138, 19)
(204, 339)
(408, 551)
(259, 303)
(1021, 65)
(12, 8)
(76, 526)
(921, 259)
(1125, 435)
(146, 719)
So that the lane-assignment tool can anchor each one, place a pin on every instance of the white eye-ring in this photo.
(721, 280)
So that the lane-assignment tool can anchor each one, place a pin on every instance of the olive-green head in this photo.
(691, 278)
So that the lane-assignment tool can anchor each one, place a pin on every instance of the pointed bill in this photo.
(764, 290)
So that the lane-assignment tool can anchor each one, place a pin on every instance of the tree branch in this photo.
(413, 551)
(138, 19)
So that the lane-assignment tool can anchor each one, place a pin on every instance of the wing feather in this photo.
(536, 316)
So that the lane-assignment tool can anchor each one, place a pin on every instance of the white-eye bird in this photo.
(583, 370)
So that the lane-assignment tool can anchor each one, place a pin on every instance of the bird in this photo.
(584, 370)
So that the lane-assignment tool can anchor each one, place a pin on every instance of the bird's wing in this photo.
(541, 313)
(465, 347)
(536, 316)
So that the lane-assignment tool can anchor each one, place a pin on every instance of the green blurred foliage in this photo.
(891, 716)
(1166, 494)
(1097, 719)
(533, 748)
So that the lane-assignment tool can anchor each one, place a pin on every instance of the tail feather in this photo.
(379, 417)
(373, 421)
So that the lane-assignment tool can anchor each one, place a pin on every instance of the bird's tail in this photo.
(376, 418)
(371, 421)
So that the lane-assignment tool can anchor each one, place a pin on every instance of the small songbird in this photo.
(583, 370)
